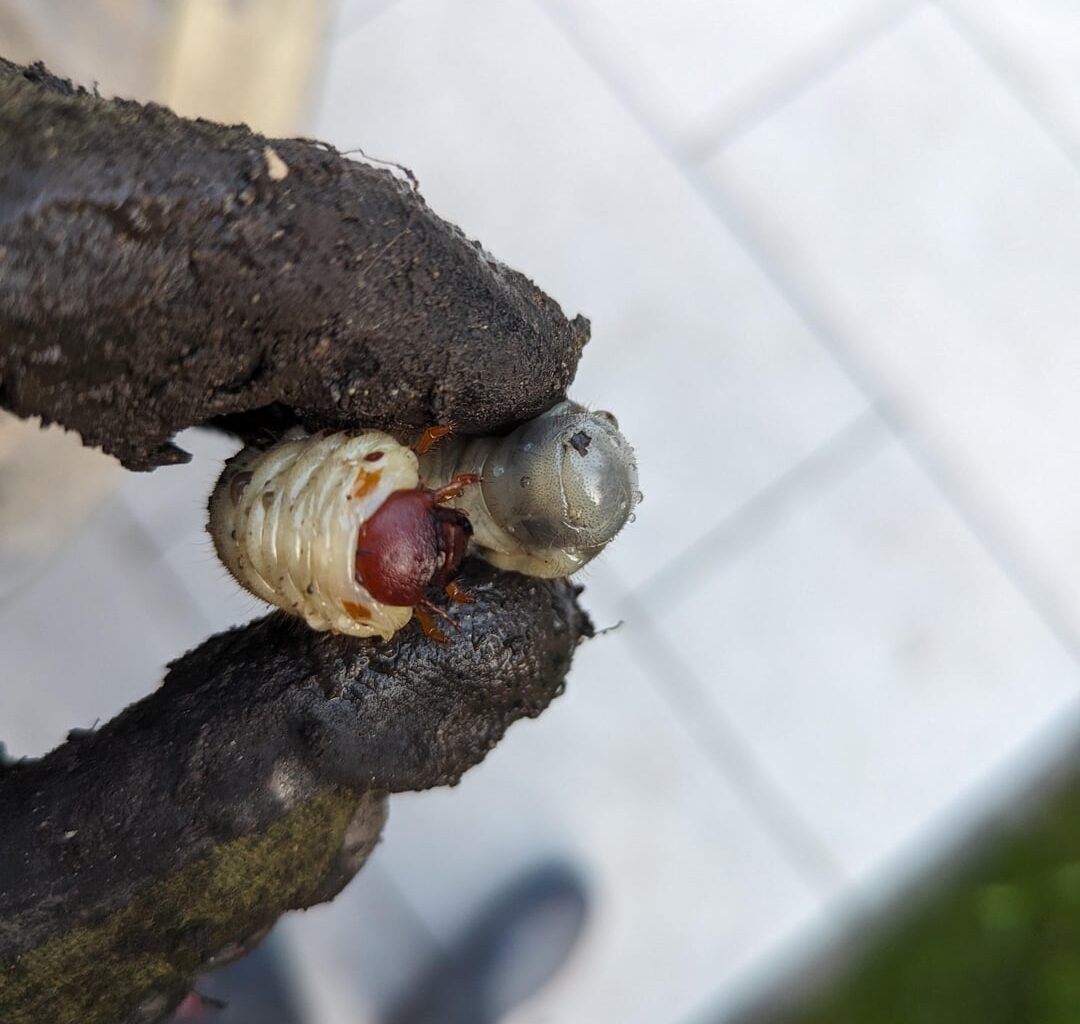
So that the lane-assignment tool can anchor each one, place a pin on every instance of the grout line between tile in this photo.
(754, 238)
(688, 696)
(793, 966)
(798, 840)
(755, 519)
(930, 453)
(733, 118)
(997, 63)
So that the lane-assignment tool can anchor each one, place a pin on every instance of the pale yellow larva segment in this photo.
(289, 534)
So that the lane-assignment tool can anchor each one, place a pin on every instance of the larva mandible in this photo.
(348, 530)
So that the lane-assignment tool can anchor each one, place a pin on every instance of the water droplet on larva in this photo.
(638, 497)
(498, 471)
(526, 481)
(632, 517)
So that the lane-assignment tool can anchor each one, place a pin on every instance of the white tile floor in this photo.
(686, 62)
(877, 661)
(600, 218)
(828, 251)
(1033, 47)
(894, 207)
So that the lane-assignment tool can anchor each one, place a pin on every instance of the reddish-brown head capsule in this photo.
(335, 529)
(410, 544)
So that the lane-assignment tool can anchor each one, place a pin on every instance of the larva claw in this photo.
(456, 487)
(427, 624)
(432, 436)
(458, 594)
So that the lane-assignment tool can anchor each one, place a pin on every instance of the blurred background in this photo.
(829, 249)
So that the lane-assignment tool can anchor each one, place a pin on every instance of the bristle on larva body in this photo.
(285, 523)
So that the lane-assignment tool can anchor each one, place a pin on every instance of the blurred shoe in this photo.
(514, 946)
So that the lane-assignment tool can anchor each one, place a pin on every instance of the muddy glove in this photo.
(155, 274)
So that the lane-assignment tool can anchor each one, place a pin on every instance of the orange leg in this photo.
(456, 487)
(427, 624)
(456, 593)
(424, 612)
(432, 436)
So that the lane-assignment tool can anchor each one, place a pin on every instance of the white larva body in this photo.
(285, 522)
(553, 492)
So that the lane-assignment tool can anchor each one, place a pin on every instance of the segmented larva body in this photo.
(350, 530)
(286, 521)
(553, 493)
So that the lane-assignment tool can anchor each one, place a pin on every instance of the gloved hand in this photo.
(157, 273)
